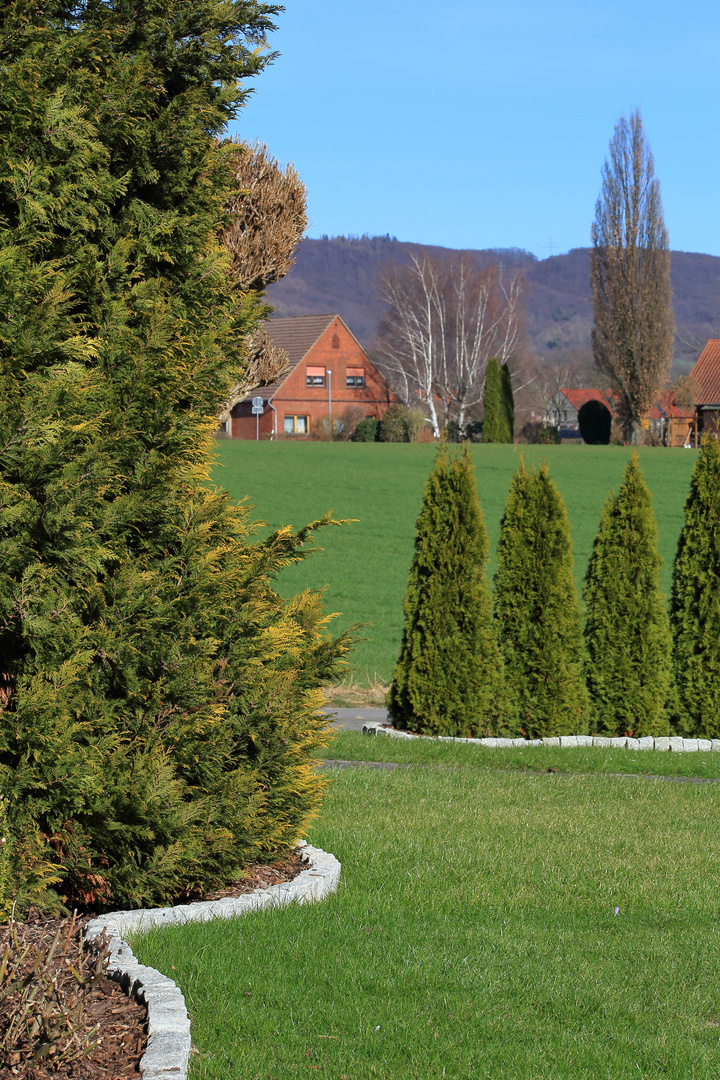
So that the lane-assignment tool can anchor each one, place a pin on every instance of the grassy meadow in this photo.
(364, 565)
(493, 921)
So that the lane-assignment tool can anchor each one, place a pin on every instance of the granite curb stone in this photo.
(647, 742)
(169, 1044)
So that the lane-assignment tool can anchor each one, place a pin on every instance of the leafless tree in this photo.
(630, 272)
(445, 320)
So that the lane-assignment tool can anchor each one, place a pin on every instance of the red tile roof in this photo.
(707, 373)
(296, 334)
(578, 398)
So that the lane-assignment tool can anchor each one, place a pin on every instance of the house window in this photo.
(315, 376)
(296, 425)
(355, 376)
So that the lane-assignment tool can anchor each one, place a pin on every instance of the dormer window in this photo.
(315, 376)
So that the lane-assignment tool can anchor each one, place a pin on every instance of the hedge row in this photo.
(523, 663)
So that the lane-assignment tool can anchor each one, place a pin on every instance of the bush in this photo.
(160, 699)
(695, 600)
(448, 679)
(328, 428)
(367, 430)
(627, 630)
(537, 609)
(400, 424)
(595, 422)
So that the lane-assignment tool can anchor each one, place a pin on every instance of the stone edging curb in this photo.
(674, 743)
(168, 1048)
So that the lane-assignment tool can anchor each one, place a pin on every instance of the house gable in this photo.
(329, 371)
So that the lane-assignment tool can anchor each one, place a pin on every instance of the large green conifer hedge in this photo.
(159, 705)
(627, 630)
(537, 610)
(449, 677)
(695, 600)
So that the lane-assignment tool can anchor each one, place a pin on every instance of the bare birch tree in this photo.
(445, 319)
(630, 271)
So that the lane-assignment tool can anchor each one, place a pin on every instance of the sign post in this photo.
(258, 406)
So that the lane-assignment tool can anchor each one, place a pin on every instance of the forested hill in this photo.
(344, 275)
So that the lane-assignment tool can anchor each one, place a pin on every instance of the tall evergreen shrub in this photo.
(627, 629)
(449, 678)
(695, 600)
(494, 423)
(160, 704)
(508, 404)
(537, 609)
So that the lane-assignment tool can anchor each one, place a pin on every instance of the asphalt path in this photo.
(353, 719)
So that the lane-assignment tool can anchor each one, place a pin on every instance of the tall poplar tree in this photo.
(627, 630)
(630, 272)
(695, 600)
(159, 711)
(537, 610)
(508, 403)
(449, 677)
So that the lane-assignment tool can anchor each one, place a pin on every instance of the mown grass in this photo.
(474, 935)
(365, 565)
(352, 746)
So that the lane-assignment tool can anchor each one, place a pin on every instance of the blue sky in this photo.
(478, 125)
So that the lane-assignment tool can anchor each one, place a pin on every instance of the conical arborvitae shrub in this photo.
(449, 677)
(494, 422)
(627, 629)
(537, 609)
(695, 601)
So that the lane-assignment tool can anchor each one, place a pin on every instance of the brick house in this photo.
(707, 374)
(329, 373)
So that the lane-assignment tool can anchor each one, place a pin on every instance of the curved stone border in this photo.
(168, 1048)
(675, 744)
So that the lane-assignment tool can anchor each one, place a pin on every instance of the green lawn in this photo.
(474, 934)
(365, 565)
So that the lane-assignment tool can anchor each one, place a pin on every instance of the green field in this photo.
(364, 566)
(475, 934)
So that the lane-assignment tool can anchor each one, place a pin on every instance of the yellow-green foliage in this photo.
(627, 630)
(695, 600)
(160, 706)
(537, 609)
(449, 677)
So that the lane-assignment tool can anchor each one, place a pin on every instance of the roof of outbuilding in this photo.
(707, 373)
(578, 398)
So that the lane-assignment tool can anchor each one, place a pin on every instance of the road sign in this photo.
(258, 403)
(257, 410)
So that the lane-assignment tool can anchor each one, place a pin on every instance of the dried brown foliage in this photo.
(45, 982)
(630, 273)
(269, 217)
(263, 364)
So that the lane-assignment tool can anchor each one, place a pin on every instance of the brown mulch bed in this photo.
(113, 1024)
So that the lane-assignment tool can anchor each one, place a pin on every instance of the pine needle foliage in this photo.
(159, 699)
(627, 629)
(494, 423)
(537, 609)
(449, 679)
(695, 600)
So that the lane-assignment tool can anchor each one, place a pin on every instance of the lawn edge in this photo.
(168, 1050)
